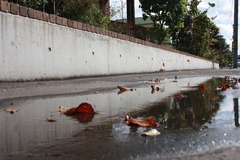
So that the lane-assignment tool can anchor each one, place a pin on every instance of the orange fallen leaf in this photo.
(82, 108)
(140, 122)
(9, 110)
(123, 89)
(225, 85)
(178, 95)
(50, 119)
(201, 87)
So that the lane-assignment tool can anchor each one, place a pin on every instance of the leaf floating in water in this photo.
(140, 122)
(226, 85)
(84, 112)
(223, 87)
(50, 119)
(154, 88)
(9, 110)
(154, 80)
(162, 70)
(152, 132)
(201, 87)
(124, 89)
(178, 95)
(82, 108)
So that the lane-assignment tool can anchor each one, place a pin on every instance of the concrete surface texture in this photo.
(35, 49)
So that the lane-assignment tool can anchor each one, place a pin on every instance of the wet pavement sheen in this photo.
(200, 120)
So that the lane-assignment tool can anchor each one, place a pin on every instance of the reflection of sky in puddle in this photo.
(225, 116)
(28, 127)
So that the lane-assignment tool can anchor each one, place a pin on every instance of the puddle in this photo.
(197, 122)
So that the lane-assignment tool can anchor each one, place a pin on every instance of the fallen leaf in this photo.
(225, 85)
(162, 70)
(152, 132)
(9, 110)
(123, 89)
(201, 87)
(154, 80)
(140, 122)
(178, 95)
(227, 77)
(4, 90)
(50, 119)
(82, 108)
(155, 88)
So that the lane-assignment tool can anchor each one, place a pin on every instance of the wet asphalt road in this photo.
(96, 84)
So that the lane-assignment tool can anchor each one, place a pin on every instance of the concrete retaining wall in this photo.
(42, 46)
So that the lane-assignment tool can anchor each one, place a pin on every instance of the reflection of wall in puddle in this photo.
(28, 127)
(111, 104)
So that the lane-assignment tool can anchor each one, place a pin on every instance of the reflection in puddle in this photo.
(236, 114)
(195, 122)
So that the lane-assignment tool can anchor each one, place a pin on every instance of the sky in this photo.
(223, 11)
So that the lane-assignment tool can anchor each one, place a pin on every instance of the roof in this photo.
(139, 21)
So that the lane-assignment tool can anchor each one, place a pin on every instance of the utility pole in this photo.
(130, 12)
(235, 35)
